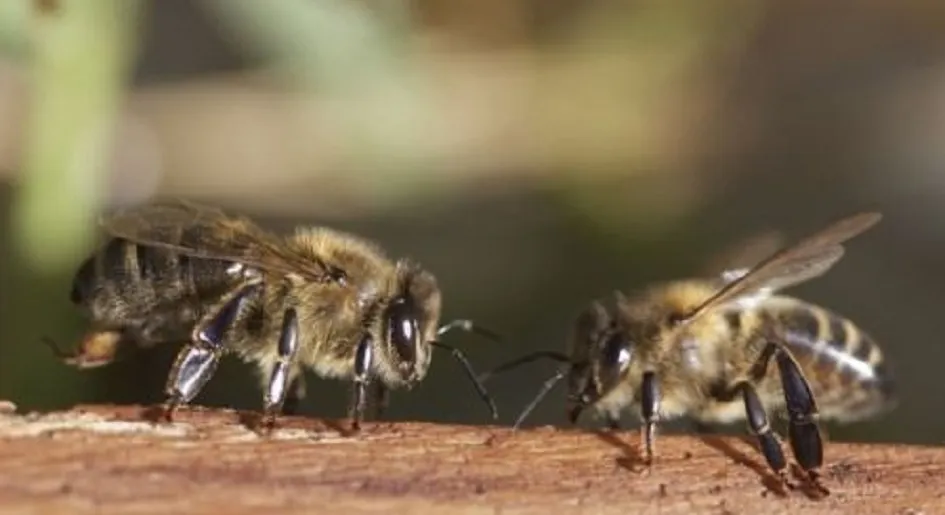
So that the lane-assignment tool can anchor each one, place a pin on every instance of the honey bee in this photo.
(701, 348)
(323, 300)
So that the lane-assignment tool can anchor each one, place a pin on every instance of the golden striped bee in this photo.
(702, 348)
(324, 300)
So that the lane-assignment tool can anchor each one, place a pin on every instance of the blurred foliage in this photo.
(80, 51)
(14, 19)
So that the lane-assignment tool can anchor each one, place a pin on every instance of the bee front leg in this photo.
(650, 407)
(198, 360)
(363, 357)
(280, 375)
(803, 431)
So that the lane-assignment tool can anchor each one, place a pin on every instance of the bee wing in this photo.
(206, 232)
(801, 262)
(737, 260)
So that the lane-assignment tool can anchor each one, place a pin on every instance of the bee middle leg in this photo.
(760, 427)
(197, 361)
(281, 372)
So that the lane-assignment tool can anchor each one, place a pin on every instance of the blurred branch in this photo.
(81, 51)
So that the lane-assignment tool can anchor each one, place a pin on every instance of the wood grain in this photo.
(110, 459)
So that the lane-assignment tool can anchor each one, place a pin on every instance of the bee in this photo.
(702, 348)
(320, 299)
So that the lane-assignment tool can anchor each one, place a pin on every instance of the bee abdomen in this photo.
(108, 265)
(132, 278)
(846, 368)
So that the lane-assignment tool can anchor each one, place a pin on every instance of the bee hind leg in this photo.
(198, 360)
(803, 431)
(280, 374)
(192, 368)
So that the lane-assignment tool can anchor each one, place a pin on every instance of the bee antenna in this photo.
(471, 374)
(468, 326)
(545, 388)
(528, 358)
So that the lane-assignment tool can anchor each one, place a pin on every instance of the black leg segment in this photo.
(760, 427)
(803, 432)
(650, 407)
(363, 357)
(192, 368)
(278, 387)
(198, 360)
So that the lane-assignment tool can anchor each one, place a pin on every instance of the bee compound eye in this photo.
(617, 353)
(402, 330)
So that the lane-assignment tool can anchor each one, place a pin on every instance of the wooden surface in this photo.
(108, 459)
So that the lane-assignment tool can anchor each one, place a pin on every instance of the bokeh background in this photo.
(534, 154)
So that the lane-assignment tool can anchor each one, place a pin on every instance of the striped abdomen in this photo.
(153, 292)
(844, 366)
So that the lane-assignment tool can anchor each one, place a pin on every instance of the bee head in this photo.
(409, 322)
(609, 361)
(601, 355)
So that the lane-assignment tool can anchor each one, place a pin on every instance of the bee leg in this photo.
(362, 380)
(279, 377)
(650, 406)
(760, 427)
(192, 368)
(198, 360)
(803, 432)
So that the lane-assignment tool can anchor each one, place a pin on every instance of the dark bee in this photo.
(702, 348)
(324, 300)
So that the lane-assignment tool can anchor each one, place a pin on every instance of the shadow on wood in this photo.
(108, 459)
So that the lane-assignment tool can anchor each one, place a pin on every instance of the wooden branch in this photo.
(107, 459)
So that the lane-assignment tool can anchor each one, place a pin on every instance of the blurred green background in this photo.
(533, 154)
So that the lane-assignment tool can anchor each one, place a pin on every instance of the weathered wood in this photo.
(107, 459)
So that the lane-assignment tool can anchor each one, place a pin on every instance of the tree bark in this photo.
(108, 459)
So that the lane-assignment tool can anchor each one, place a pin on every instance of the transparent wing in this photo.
(207, 232)
(734, 262)
(801, 262)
